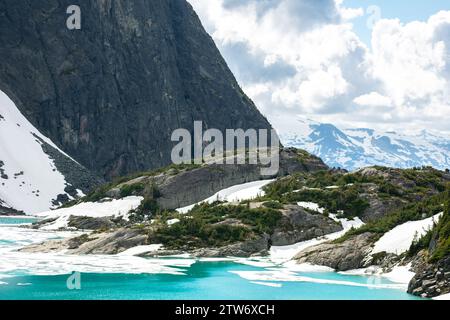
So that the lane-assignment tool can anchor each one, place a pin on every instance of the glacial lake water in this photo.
(16, 220)
(227, 280)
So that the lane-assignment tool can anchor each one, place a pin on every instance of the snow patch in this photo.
(140, 250)
(400, 239)
(237, 193)
(254, 262)
(311, 206)
(33, 179)
(443, 297)
(172, 221)
(116, 208)
(399, 274)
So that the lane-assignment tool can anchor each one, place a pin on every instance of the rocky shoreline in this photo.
(108, 235)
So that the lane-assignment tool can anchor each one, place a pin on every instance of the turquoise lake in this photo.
(201, 280)
(16, 220)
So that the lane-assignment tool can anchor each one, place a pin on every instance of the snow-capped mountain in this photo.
(35, 175)
(355, 148)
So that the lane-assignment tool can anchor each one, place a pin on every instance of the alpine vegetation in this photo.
(239, 147)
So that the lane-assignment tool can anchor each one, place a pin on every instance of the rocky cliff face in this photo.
(111, 93)
(179, 189)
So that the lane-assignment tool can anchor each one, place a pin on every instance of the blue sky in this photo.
(405, 10)
(319, 59)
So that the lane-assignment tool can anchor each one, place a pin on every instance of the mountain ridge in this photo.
(355, 148)
(111, 93)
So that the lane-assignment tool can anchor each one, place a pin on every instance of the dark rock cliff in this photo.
(111, 93)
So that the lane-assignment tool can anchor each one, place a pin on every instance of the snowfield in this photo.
(240, 192)
(114, 207)
(399, 239)
(33, 180)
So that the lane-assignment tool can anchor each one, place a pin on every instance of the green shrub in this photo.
(200, 227)
(443, 250)
(98, 194)
(195, 233)
(273, 205)
(389, 189)
(346, 199)
(443, 231)
(131, 189)
(175, 167)
(420, 243)
(411, 212)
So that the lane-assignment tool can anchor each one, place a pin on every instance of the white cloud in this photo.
(373, 99)
(321, 86)
(408, 60)
(303, 57)
(412, 62)
(348, 13)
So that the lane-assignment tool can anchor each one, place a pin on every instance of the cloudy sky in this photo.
(356, 63)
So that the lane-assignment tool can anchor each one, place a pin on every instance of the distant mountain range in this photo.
(355, 148)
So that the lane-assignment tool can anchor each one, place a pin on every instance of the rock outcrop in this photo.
(112, 242)
(179, 189)
(89, 223)
(347, 255)
(431, 280)
(254, 247)
(299, 225)
(380, 207)
(112, 93)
